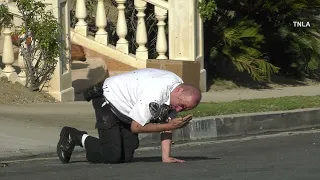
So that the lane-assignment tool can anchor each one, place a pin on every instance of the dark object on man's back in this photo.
(93, 92)
(159, 113)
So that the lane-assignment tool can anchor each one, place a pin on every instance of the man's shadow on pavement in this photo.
(158, 159)
(186, 158)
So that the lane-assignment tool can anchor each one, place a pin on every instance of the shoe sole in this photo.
(63, 133)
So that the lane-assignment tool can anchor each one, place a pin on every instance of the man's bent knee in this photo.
(105, 154)
(110, 143)
(111, 154)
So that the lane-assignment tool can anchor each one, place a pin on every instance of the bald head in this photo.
(185, 97)
(191, 92)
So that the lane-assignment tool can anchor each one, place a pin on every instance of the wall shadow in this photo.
(79, 65)
(94, 76)
(1, 64)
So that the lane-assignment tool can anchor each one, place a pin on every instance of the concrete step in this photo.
(113, 73)
(112, 64)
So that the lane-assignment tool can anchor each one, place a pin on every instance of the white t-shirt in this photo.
(132, 92)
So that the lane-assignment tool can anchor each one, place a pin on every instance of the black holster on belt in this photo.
(93, 92)
(122, 117)
(105, 118)
(96, 92)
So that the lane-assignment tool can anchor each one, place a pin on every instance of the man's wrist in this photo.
(166, 127)
(166, 135)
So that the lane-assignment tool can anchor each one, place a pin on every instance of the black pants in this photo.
(116, 143)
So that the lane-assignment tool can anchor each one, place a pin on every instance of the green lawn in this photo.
(255, 105)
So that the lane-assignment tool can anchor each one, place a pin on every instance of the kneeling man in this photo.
(140, 101)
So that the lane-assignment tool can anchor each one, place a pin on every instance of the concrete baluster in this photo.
(7, 55)
(122, 30)
(141, 33)
(22, 75)
(81, 14)
(161, 46)
(101, 22)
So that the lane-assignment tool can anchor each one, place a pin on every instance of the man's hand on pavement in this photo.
(172, 160)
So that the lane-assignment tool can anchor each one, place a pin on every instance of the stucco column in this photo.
(186, 34)
(60, 86)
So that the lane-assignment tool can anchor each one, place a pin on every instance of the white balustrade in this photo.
(22, 75)
(178, 49)
(141, 32)
(101, 22)
(81, 14)
(161, 45)
(185, 34)
(122, 30)
(122, 44)
(7, 54)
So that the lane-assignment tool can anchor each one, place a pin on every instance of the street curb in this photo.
(212, 127)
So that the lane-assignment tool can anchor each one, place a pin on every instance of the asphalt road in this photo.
(293, 157)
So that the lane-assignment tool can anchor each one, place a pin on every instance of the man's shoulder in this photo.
(146, 74)
(149, 82)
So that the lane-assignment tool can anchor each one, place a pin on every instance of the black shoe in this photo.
(69, 138)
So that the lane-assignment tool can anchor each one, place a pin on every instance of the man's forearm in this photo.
(166, 140)
(152, 127)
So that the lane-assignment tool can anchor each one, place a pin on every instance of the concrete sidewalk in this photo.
(241, 94)
(34, 129)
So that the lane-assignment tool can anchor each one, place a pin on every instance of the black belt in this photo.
(120, 115)
(96, 91)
